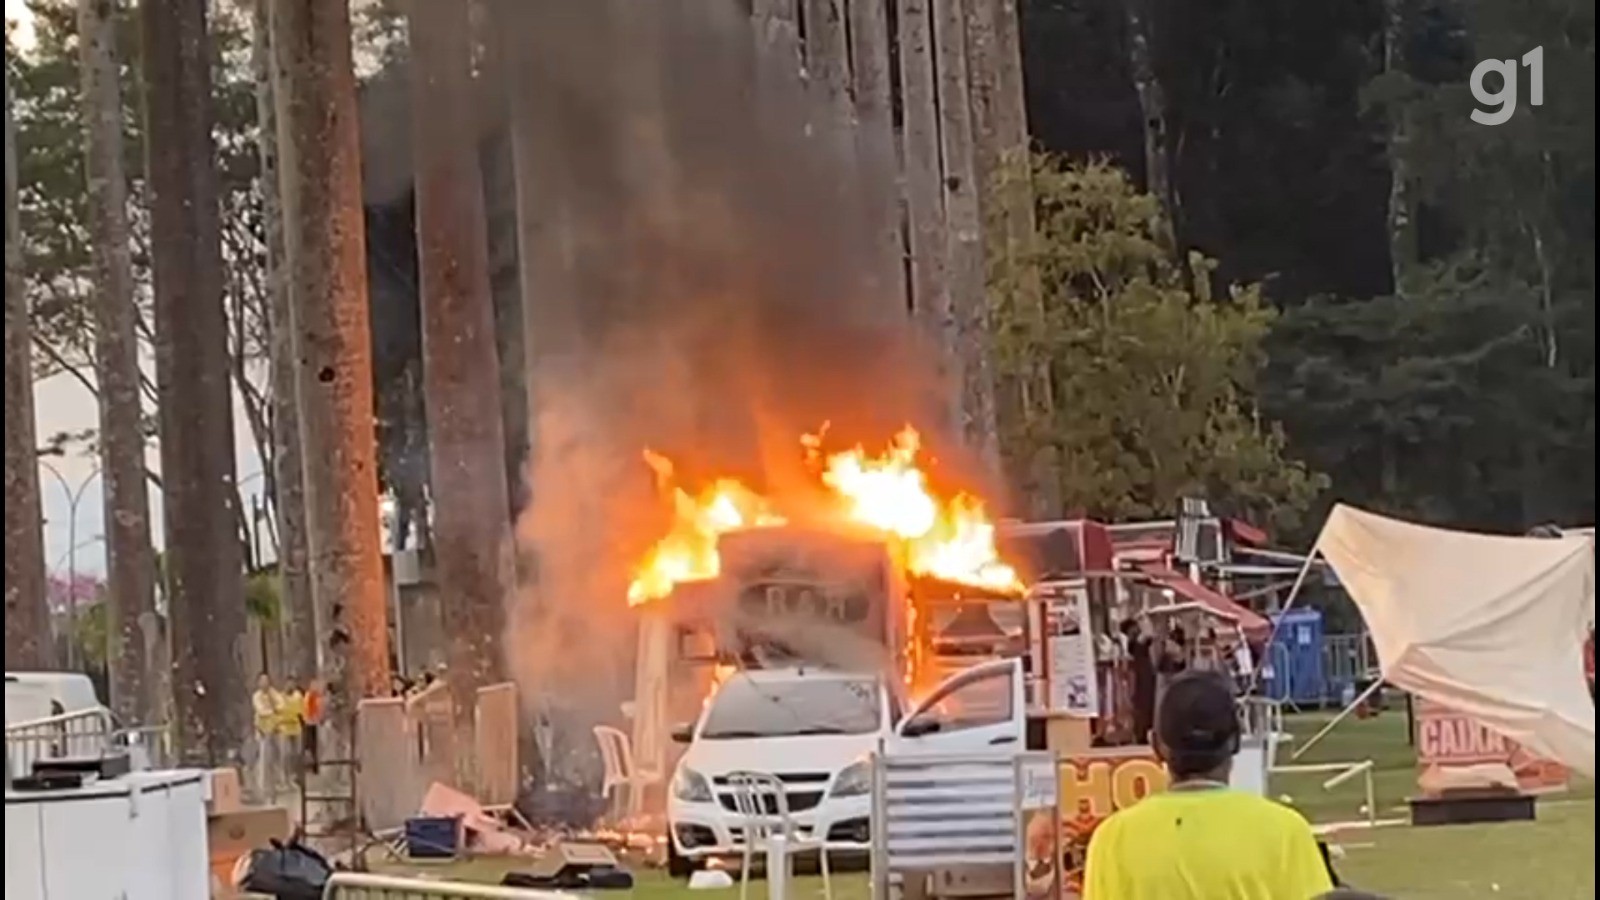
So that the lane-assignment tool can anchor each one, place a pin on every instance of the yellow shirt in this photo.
(266, 704)
(291, 714)
(1213, 844)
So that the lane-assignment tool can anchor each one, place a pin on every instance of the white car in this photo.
(815, 730)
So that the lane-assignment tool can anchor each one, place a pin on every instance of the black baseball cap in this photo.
(1197, 725)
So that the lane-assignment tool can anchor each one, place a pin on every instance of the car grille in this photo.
(785, 777)
(799, 801)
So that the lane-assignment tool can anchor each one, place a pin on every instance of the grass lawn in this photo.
(1550, 859)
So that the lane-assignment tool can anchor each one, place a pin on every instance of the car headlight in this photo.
(855, 780)
(690, 786)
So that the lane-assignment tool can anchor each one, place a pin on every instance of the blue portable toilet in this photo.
(1295, 656)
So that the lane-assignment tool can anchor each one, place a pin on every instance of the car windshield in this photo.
(746, 708)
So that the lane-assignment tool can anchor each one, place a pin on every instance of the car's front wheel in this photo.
(679, 866)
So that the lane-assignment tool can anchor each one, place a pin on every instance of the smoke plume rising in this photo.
(709, 281)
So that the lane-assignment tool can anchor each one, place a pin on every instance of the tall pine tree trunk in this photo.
(964, 234)
(827, 54)
(28, 643)
(499, 190)
(299, 612)
(924, 195)
(1001, 151)
(781, 80)
(1158, 176)
(325, 251)
(460, 363)
(1401, 213)
(881, 178)
(205, 583)
(550, 322)
(133, 632)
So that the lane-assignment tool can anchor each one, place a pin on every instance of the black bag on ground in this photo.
(290, 871)
(599, 878)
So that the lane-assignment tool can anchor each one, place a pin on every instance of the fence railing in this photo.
(407, 744)
(353, 886)
(84, 733)
(932, 812)
(1343, 771)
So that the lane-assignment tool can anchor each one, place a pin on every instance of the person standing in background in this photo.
(315, 702)
(1141, 663)
(1200, 839)
(291, 727)
(266, 706)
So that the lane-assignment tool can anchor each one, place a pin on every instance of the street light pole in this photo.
(74, 495)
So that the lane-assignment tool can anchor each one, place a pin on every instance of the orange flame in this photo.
(688, 552)
(949, 538)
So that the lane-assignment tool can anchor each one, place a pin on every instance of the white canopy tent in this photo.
(1491, 626)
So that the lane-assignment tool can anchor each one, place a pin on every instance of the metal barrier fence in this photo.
(353, 886)
(407, 744)
(1346, 661)
(932, 812)
(1343, 771)
(85, 733)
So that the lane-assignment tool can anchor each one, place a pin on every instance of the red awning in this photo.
(1251, 622)
(1245, 533)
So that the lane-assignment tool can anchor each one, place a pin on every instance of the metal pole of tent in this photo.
(1411, 722)
(1294, 594)
(1371, 689)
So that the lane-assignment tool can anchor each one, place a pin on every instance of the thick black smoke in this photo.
(709, 280)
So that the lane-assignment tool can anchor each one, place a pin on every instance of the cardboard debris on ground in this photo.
(482, 832)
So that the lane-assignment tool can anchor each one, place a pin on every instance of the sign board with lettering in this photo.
(1447, 738)
(1064, 649)
(1094, 785)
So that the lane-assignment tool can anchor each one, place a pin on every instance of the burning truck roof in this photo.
(887, 498)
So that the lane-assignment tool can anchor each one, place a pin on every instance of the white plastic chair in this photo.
(620, 770)
(761, 801)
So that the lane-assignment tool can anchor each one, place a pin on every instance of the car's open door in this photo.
(979, 710)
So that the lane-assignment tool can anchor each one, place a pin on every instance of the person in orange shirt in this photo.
(314, 706)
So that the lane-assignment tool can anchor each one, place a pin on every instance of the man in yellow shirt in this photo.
(1199, 840)
(266, 705)
(291, 726)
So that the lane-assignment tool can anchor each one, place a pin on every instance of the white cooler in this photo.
(138, 837)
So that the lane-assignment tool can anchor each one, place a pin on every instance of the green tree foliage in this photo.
(54, 208)
(1467, 396)
(1472, 401)
(263, 597)
(1151, 375)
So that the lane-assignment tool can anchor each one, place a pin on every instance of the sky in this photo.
(62, 404)
(17, 10)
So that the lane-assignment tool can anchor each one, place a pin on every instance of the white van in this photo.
(31, 696)
(815, 730)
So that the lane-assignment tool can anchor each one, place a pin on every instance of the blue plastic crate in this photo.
(433, 837)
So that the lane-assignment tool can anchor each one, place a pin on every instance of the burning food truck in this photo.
(791, 640)
(798, 660)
